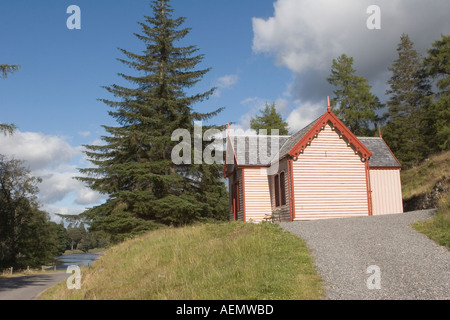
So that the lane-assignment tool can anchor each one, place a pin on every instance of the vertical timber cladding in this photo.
(257, 194)
(281, 166)
(329, 179)
(386, 191)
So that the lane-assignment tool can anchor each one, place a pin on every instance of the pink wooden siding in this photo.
(329, 180)
(285, 212)
(386, 191)
(257, 195)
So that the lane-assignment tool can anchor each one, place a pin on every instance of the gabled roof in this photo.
(382, 156)
(249, 151)
(246, 150)
(328, 118)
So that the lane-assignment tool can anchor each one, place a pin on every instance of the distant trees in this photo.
(353, 103)
(437, 66)
(268, 119)
(417, 121)
(409, 90)
(27, 237)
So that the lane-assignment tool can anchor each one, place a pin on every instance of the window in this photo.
(277, 190)
(235, 198)
(280, 189)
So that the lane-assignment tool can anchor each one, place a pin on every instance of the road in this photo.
(354, 254)
(28, 287)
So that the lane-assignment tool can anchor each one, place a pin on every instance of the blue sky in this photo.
(259, 51)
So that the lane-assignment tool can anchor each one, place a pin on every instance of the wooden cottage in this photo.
(322, 171)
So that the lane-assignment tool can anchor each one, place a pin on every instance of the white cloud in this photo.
(225, 82)
(257, 104)
(50, 158)
(84, 133)
(39, 150)
(303, 115)
(305, 36)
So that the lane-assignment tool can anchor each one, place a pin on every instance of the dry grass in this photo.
(438, 227)
(423, 177)
(211, 261)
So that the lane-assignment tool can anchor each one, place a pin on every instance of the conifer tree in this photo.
(438, 67)
(133, 166)
(353, 103)
(407, 106)
(269, 119)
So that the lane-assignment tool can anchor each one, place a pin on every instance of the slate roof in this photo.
(382, 155)
(246, 149)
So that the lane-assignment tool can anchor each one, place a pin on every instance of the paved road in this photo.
(28, 287)
(411, 266)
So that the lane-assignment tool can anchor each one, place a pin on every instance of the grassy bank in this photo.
(422, 179)
(212, 261)
(438, 227)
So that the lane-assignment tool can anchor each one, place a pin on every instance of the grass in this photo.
(223, 261)
(422, 178)
(438, 227)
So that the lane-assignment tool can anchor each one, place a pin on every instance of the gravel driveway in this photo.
(411, 266)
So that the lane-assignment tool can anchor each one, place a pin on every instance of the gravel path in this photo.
(411, 266)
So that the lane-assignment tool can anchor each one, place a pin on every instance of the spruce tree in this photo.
(438, 67)
(133, 166)
(269, 119)
(353, 103)
(407, 106)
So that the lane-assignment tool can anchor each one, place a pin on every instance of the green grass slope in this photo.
(422, 179)
(221, 261)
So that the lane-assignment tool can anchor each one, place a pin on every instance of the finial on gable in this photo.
(328, 104)
(379, 132)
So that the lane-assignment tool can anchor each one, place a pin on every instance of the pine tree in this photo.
(4, 70)
(438, 67)
(354, 104)
(407, 106)
(134, 166)
(268, 119)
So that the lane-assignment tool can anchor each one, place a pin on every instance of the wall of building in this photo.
(329, 179)
(256, 193)
(386, 191)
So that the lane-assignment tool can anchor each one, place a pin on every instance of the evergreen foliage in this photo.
(268, 119)
(133, 166)
(437, 65)
(353, 103)
(407, 128)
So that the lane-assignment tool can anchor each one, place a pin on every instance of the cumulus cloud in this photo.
(39, 150)
(305, 36)
(303, 115)
(225, 82)
(51, 158)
